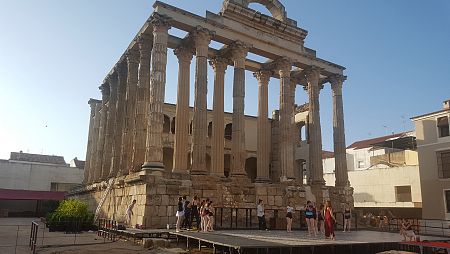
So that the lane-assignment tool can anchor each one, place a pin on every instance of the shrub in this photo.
(72, 215)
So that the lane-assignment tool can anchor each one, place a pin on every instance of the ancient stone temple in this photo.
(140, 147)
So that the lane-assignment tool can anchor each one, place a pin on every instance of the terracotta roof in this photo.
(41, 158)
(369, 142)
(327, 154)
(30, 195)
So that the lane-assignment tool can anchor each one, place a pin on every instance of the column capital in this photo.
(238, 53)
(201, 38)
(145, 44)
(121, 68)
(132, 56)
(105, 89)
(160, 23)
(219, 64)
(312, 74)
(184, 53)
(93, 102)
(263, 77)
(336, 82)
(283, 65)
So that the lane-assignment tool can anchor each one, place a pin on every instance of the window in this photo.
(443, 161)
(361, 164)
(447, 200)
(403, 193)
(443, 128)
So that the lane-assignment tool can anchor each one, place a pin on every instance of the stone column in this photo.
(101, 132)
(238, 153)
(286, 107)
(181, 146)
(140, 133)
(92, 103)
(130, 102)
(110, 122)
(96, 126)
(263, 127)
(294, 127)
(154, 147)
(218, 132)
(339, 133)
(121, 70)
(314, 131)
(202, 38)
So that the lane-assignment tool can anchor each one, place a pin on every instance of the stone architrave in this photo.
(181, 146)
(339, 132)
(121, 70)
(239, 52)
(101, 132)
(95, 136)
(92, 103)
(263, 127)
(315, 135)
(140, 133)
(218, 124)
(110, 122)
(286, 107)
(201, 38)
(154, 147)
(130, 102)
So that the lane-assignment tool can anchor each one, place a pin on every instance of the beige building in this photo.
(384, 172)
(433, 146)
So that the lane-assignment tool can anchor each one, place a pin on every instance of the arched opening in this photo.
(276, 9)
(250, 168)
(227, 164)
(168, 158)
(166, 124)
(209, 129)
(172, 127)
(228, 131)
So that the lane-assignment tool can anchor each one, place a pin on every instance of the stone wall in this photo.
(157, 196)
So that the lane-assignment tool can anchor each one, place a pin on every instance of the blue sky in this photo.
(55, 53)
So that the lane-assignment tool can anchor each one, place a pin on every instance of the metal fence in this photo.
(423, 226)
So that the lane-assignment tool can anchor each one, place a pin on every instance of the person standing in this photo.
(180, 213)
(261, 216)
(329, 221)
(289, 212)
(320, 220)
(129, 212)
(347, 218)
(195, 212)
(187, 215)
(311, 215)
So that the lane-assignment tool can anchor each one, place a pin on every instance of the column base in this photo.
(155, 168)
(180, 171)
(286, 179)
(198, 172)
(262, 180)
(317, 182)
(219, 175)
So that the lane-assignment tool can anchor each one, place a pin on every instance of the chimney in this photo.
(447, 104)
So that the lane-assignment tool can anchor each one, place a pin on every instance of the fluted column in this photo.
(315, 134)
(286, 107)
(101, 133)
(154, 148)
(130, 102)
(140, 133)
(238, 153)
(121, 70)
(263, 127)
(92, 103)
(110, 122)
(218, 132)
(181, 148)
(339, 132)
(96, 126)
(202, 38)
(294, 127)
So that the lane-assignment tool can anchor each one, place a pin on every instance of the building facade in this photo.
(433, 146)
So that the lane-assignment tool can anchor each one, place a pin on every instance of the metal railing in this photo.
(432, 227)
(245, 218)
(33, 236)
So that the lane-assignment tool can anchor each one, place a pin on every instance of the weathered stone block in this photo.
(278, 200)
(261, 191)
(270, 200)
(162, 211)
(172, 189)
